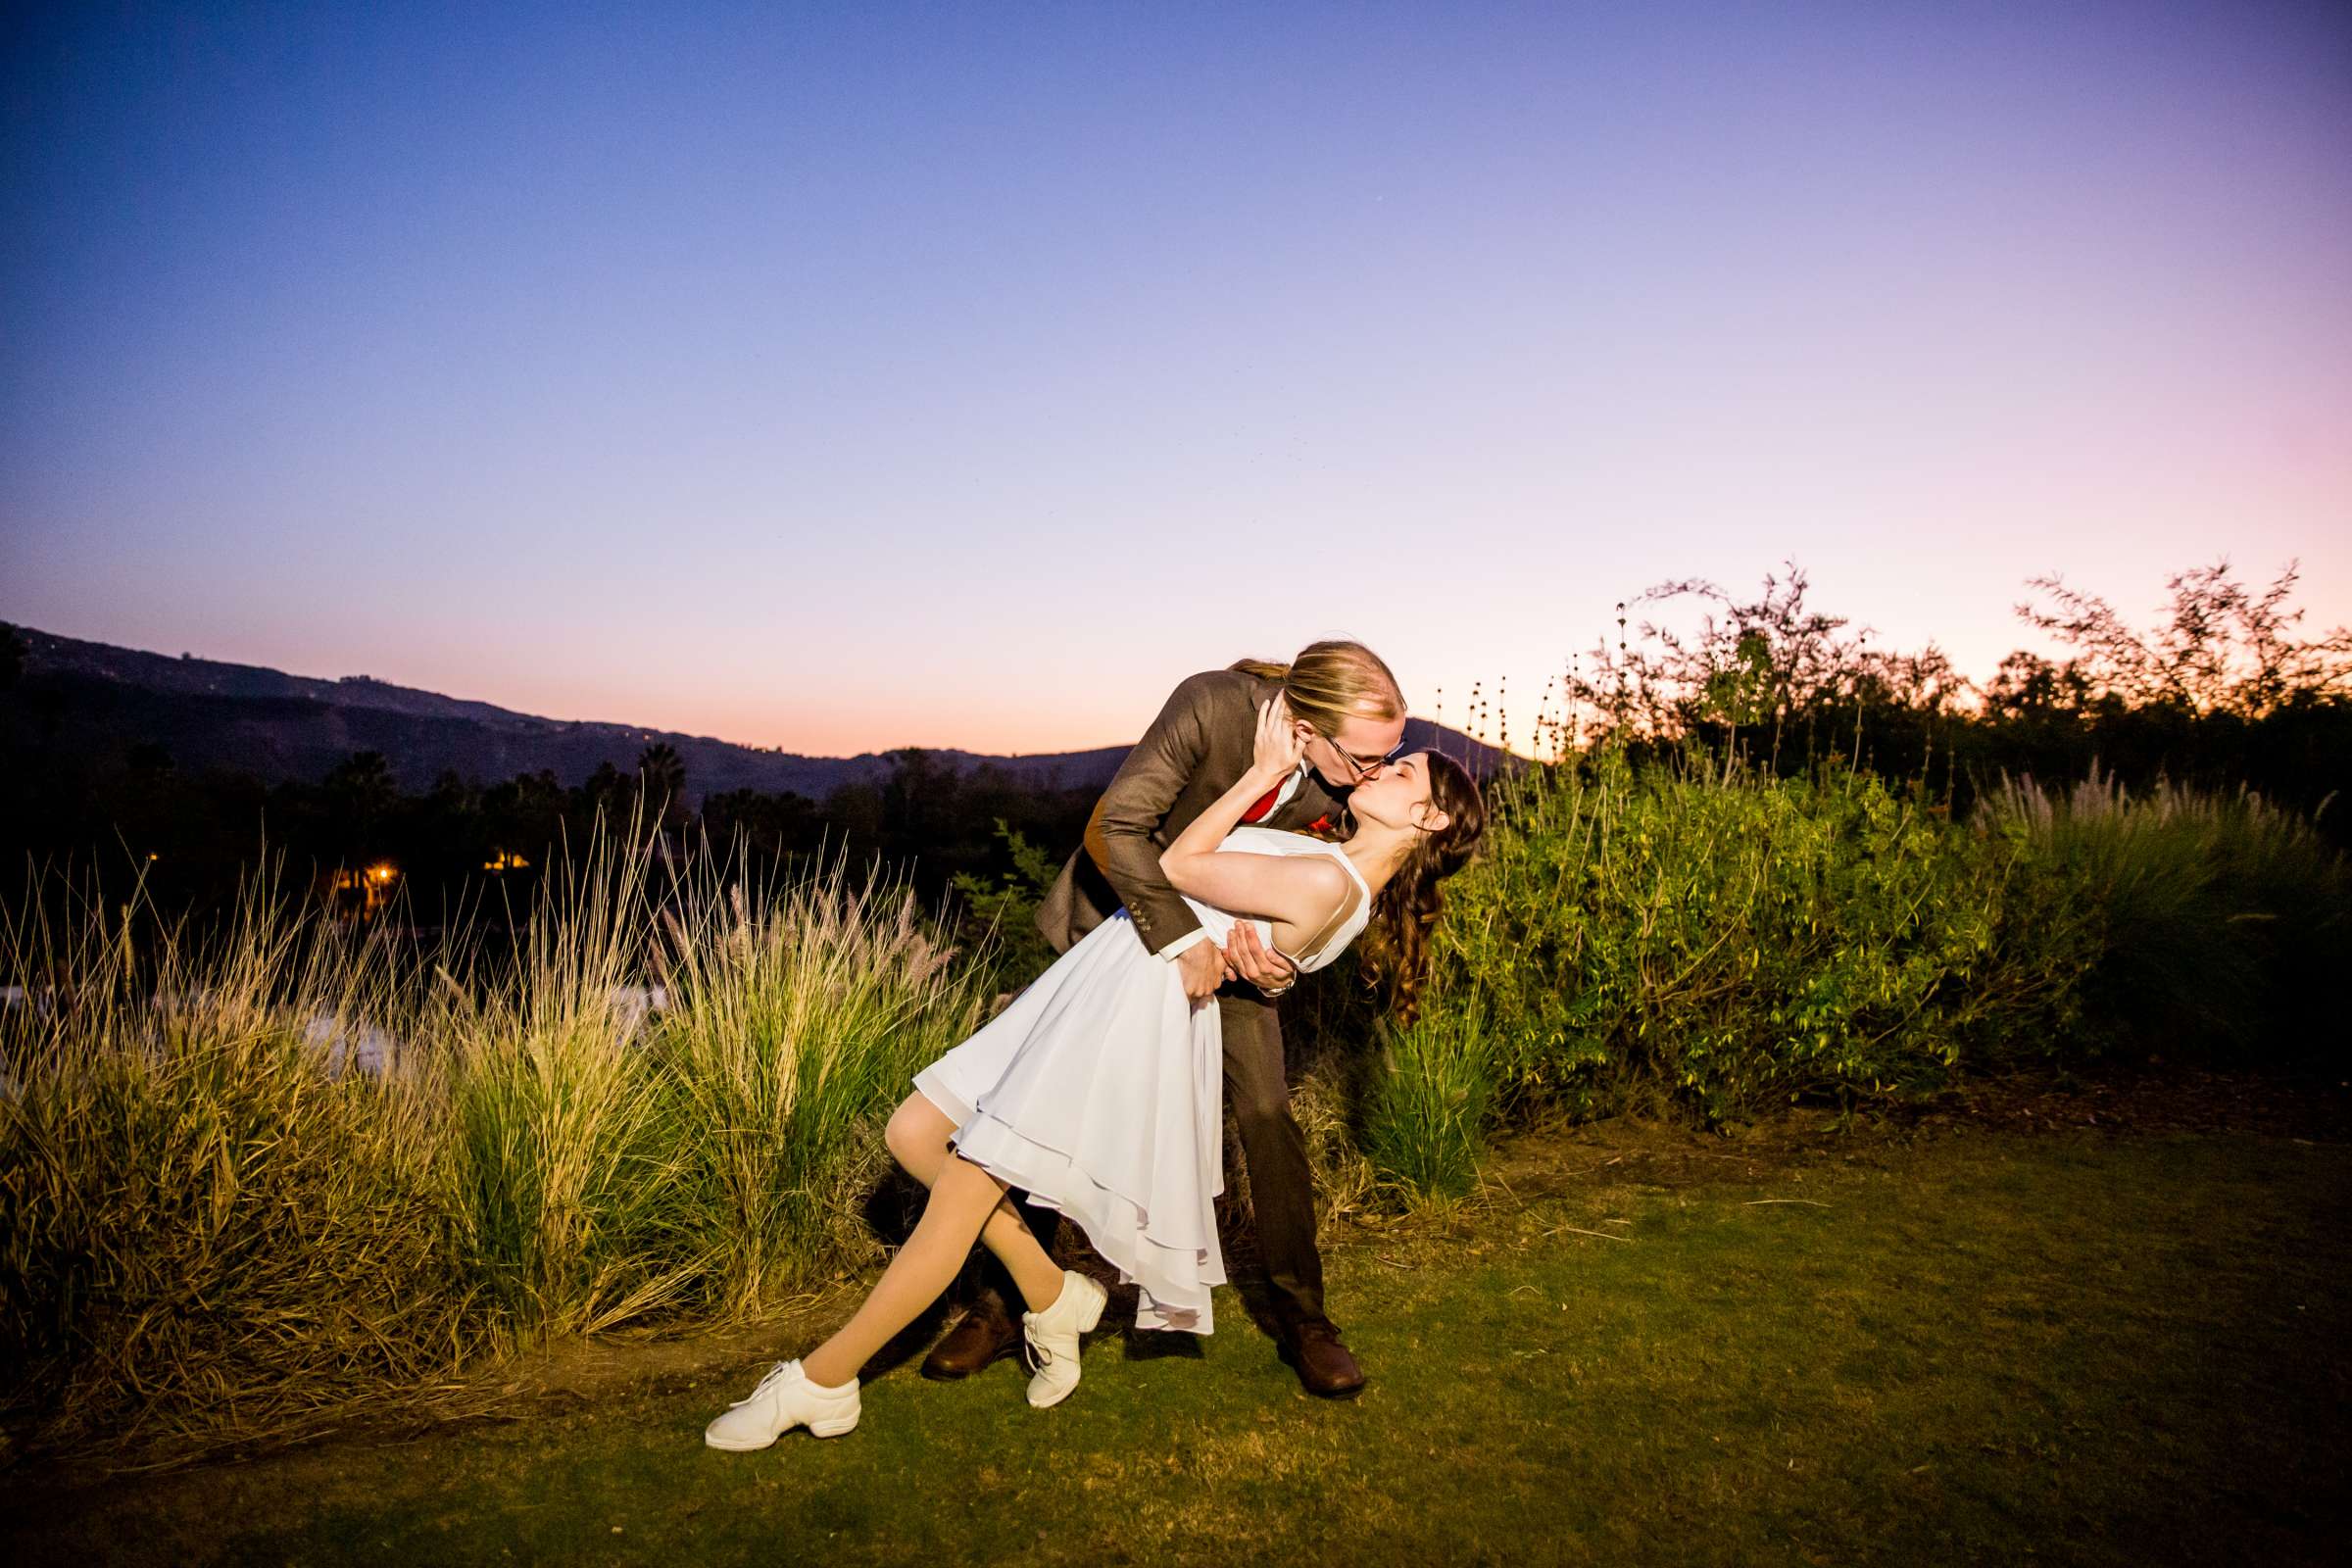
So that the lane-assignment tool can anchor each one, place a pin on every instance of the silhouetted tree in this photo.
(2221, 646)
(2221, 692)
(662, 778)
(361, 794)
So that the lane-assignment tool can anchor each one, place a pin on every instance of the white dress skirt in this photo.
(1099, 1091)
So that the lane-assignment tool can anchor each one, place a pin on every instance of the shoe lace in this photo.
(1035, 1357)
(773, 1373)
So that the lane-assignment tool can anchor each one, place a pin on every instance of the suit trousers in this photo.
(1282, 1194)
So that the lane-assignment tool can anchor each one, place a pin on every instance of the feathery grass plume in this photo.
(2220, 918)
(558, 1160)
(796, 1020)
(254, 1178)
(213, 1224)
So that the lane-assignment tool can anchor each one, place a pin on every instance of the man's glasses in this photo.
(1360, 768)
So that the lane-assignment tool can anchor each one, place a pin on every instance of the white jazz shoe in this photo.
(1053, 1337)
(785, 1398)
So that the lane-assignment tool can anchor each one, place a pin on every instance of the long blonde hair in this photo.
(1332, 681)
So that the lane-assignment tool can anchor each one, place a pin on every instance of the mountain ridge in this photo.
(282, 727)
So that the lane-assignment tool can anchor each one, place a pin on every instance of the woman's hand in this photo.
(1276, 751)
(1279, 745)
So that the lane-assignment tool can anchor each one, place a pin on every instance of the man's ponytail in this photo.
(1331, 682)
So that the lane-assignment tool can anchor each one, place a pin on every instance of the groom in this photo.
(1194, 750)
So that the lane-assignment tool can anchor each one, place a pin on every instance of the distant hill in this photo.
(95, 698)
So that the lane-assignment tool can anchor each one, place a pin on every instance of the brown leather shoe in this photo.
(1324, 1367)
(985, 1334)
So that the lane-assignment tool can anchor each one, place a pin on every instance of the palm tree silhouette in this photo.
(661, 777)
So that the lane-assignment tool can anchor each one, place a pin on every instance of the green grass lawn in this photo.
(1985, 1347)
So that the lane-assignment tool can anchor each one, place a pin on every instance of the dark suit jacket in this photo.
(1201, 742)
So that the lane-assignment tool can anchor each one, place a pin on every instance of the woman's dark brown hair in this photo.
(1406, 914)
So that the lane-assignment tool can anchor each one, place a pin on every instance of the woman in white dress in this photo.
(1099, 1090)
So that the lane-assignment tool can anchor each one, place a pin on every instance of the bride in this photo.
(1098, 1090)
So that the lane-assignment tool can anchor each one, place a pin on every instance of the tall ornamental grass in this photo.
(2222, 924)
(794, 1024)
(210, 1220)
(558, 1152)
(249, 1176)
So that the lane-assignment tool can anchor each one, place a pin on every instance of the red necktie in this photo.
(1265, 804)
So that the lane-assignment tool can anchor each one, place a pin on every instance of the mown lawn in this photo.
(2066, 1346)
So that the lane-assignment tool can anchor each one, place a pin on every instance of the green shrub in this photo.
(1676, 941)
(1000, 915)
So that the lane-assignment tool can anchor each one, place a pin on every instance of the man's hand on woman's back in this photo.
(1202, 965)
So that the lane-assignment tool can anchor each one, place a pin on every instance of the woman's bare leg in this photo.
(917, 1136)
(959, 1203)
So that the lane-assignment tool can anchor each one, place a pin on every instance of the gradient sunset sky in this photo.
(849, 377)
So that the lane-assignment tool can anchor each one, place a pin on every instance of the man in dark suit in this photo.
(1198, 745)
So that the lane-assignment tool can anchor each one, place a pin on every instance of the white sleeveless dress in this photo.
(1099, 1091)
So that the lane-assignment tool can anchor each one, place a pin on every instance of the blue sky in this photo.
(850, 377)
